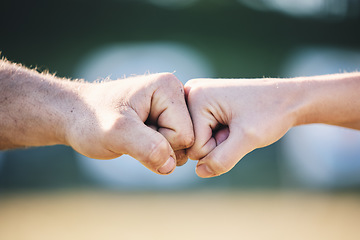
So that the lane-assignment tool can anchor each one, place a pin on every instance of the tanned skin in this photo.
(145, 116)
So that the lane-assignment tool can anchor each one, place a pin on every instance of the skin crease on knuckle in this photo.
(177, 128)
(170, 85)
(194, 92)
(184, 139)
(189, 140)
(198, 95)
(203, 140)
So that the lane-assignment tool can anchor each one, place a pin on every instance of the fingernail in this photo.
(168, 166)
(204, 171)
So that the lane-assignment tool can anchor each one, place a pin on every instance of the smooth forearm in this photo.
(330, 99)
(35, 108)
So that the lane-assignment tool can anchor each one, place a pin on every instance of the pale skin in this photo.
(144, 116)
(232, 117)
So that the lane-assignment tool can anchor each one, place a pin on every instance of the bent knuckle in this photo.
(184, 140)
(189, 140)
(196, 93)
(168, 78)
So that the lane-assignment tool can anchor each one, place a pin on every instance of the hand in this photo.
(232, 117)
(145, 117)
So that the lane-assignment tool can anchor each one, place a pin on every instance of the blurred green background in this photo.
(306, 186)
(240, 39)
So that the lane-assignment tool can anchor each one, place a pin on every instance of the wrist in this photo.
(72, 106)
(301, 100)
(35, 107)
(291, 100)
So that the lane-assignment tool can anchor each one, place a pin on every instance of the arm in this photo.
(330, 99)
(232, 117)
(34, 107)
(99, 120)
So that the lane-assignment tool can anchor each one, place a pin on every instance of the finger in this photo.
(221, 135)
(181, 157)
(173, 118)
(204, 123)
(204, 141)
(146, 145)
(224, 157)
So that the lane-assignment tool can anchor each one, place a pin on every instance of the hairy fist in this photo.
(145, 117)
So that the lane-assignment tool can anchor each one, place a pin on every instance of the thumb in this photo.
(148, 146)
(224, 156)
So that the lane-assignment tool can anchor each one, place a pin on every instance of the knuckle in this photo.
(195, 93)
(184, 140)
(168, 78)
(169, 85)
(189, 140)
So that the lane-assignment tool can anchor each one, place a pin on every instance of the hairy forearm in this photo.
(330, 99)
(35, 109)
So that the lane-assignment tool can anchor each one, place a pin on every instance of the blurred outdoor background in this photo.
(306, 186)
